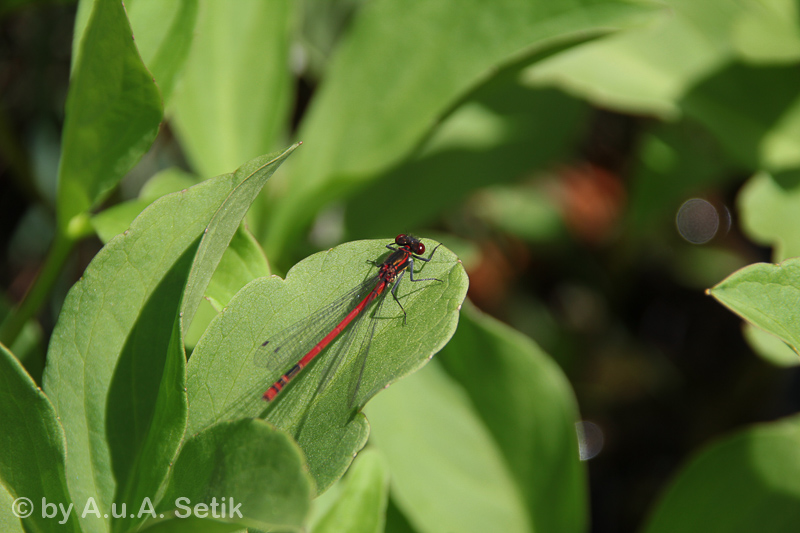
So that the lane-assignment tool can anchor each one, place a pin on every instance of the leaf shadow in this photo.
(136, 403)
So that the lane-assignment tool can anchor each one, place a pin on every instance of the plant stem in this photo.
(41, 288)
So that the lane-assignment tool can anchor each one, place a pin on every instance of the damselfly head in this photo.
(411, 242)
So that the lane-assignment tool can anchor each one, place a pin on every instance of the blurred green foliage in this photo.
(548, 143)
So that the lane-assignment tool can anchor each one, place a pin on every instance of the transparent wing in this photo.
(284, 349)
(360, 335)
(338, 351)
(250, 402)
(361, 358)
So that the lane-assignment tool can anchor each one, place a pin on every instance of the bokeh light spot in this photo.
(697, 221)
(590, 439)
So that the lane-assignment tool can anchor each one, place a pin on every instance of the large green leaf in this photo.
(490, 447)
(768, 32)
(447, 473)
(81, 21)
(758, 132)
(527, 404)
(112, 114)
(685, 65)
(8, 521)
(249, 179)
(112, 221)
(234, 97)
(503, 132)
(525, 210)
(770, 212)
(31, 452)
(242, 262)
(164, 30)
(115, 367)
(647, 69)
(747, 482)
(224, 383)
(766, 295)
(769, 347)
(29, 347)
(361, 506)
(256, 471)
(163, 33)
(145, 412)
(402, 67)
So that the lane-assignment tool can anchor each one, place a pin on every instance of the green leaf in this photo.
(192, 524)
(503, 131)
(247, 465)
(396, 522)
(224, 383)
(8, 522)
(526, 402)
(205, 313)
(447, 471)
(31, 451)
(493, 441)
(112, 113)
(146, 401)
(524, 210)
(114, 220)
(249, 180)
(242, 262)
(646, 70)
(361, 506)
(758, 132)
(118, 338)
(765, 295)
(769, 347)
(29, 347)
(747, 482)
(81, 21)
(164, 31)
(768, 32)
(402, 67)
(770, 212)
(167, 181)
(234, 98)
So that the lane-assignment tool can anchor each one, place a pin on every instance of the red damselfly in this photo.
(304, 340)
